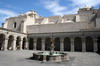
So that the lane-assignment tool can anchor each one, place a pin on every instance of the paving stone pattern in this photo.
(21, 58)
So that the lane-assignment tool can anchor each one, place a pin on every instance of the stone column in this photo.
(83, 45)
(5, 44)
(26, 45)
(2, 45)
(34, 45)
(72, 44)
(43, 44)
(61, 44)
(52, 40)
(14, 44)
(95, 45)
(20, 43)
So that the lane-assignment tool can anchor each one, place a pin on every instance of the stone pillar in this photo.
(43, 44)
(5, 44)
(83, 45)
(95, 45)
(34, 45)
(61, 44)
(72, 44)
(26, 45)
(14, 44)
(20, 43)
(2, 45)
(52, 40)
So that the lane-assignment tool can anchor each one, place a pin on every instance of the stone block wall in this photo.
(59, 27)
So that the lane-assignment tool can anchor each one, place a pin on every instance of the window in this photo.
(14, 25)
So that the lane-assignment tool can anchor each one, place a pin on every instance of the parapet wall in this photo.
(59, 27)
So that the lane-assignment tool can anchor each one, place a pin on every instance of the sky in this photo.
(11, 8)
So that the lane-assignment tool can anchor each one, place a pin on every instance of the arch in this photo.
(67, 44)
(57, 44)
(77, 44)
(47, 43)
(98, 43)
(31, 42)
(10, 42)
(18, 42)
(39, 44)
(2, 39)
(24, 43)
(89, 44)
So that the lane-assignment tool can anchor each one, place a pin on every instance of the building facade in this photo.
(74, 32)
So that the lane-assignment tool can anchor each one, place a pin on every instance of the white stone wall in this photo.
(21, 23)
(26, 22)
(29, 21)
(59, 27)
(98, 23)
(10, 23)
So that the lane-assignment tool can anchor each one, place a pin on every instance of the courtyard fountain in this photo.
(52, 56)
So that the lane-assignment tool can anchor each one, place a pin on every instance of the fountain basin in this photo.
(55, 57)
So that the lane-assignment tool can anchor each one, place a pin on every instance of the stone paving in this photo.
(21, 58)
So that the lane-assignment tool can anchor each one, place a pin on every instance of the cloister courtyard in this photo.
(22, 58)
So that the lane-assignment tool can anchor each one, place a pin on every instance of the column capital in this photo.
(83, 37)
(6, 38)
(61, 40)
(62, 37)
(27, 40)
(21, 39)
(72, 39)
(95, 39)
(43, 39)
(35, 40)
(15, 38)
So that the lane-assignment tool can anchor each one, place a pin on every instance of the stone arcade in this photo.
(74, 32)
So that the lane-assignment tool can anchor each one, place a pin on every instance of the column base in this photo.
(20, 49)
(34, 49)
(72, 51)
(5, 50)
(14, 49)
(43, 49)
(95, 50)
(62, 50)
(83, 50)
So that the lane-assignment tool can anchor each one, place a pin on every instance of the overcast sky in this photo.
(10, 8)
